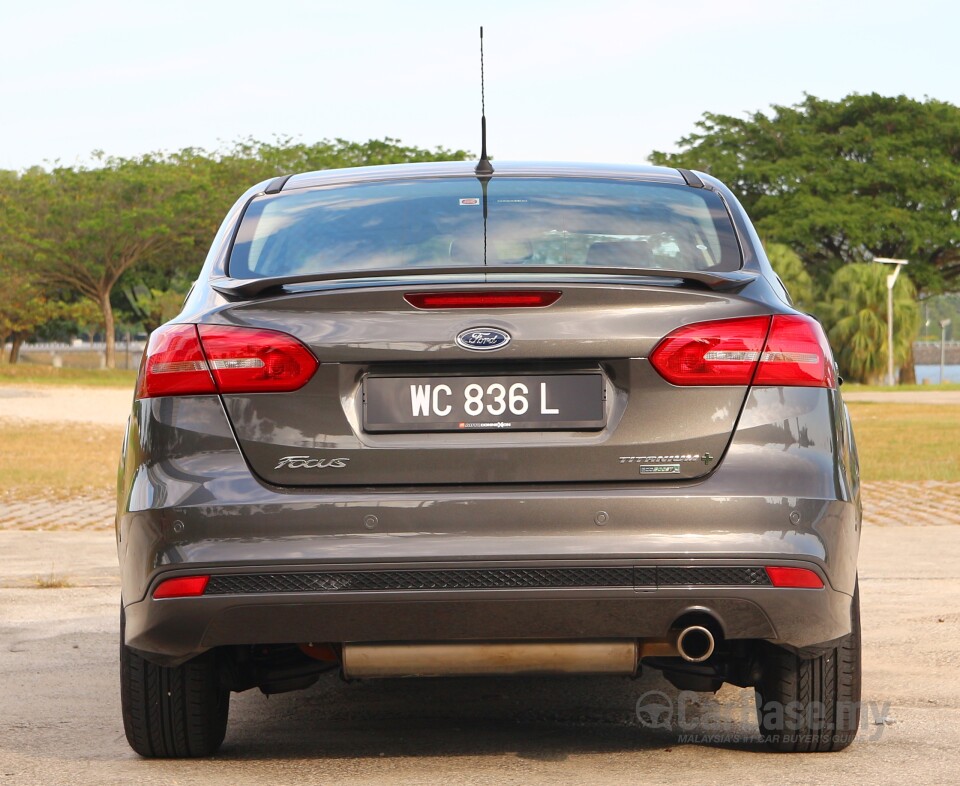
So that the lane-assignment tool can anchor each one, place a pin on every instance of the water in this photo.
(932, 373)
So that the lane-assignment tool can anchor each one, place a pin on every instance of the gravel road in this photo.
(55, 404)
(60, 717)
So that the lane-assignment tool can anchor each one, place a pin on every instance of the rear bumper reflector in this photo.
(801, 578)
(181, 587)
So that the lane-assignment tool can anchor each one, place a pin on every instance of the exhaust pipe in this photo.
(695, 643)
(466, 659)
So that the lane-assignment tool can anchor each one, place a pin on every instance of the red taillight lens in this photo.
(181, 587)
(796, 354)
(249, 360)
(785, 349)
(801, 578)
(518, 299)
(712, 353)
(182, 361)
(174, 365)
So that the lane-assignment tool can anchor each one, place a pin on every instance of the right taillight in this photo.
(797, 354)
(182, 360)
(784, 349)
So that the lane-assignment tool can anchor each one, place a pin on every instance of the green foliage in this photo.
(842, 181)
(82, 228)
(153, 305)
(856, 315)
(788, 265)
(23, 306)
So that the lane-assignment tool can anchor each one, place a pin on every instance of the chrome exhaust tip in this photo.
(695, 643)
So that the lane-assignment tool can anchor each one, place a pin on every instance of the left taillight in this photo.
(174, 365)
(183, 360)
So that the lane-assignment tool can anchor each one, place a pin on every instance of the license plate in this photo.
(528, 402)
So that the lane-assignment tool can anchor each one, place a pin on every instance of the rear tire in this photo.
(811, 704)
(172, 712)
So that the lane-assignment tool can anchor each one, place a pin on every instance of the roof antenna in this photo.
(484, 167)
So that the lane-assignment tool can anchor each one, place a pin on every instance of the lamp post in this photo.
(944, 324)
(891, 280)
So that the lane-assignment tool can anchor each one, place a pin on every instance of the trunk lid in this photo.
(590, 406)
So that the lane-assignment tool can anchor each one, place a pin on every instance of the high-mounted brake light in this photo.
(784, 349)
(512, 299)
(801, 578)
(182, 360)
(181, 587)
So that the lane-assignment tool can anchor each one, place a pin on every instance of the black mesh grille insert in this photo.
(485, 578)
(715, 576)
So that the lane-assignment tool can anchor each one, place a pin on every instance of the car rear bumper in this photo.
(303, 574)
(176, 629)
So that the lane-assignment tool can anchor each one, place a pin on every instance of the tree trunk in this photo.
(3, 344)
(15, 347)
(908, 371)
(107, 311)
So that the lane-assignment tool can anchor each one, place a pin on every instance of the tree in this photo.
(85, 316)
(856, 315)
(841, 182)
(788, 265)
(154, 306)
(23, 308)
(84, 228)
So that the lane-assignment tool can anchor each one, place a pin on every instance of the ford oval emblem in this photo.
(483, 339)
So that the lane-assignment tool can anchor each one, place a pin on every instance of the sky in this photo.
(599, 81)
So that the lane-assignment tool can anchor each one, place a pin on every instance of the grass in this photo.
(29, 374)
(853, 386)
(59, 461)
(51, 581)
(907, 442)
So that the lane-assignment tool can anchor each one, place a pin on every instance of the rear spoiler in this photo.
(254, 287)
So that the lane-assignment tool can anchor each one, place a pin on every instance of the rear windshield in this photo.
(403, 225)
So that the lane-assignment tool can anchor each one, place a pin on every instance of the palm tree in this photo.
(788, 265)
(856, 311)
